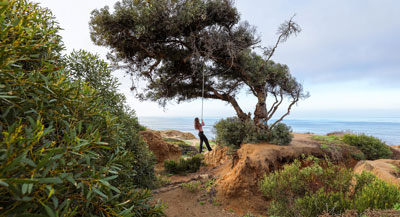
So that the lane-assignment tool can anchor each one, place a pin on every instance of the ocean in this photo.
(388, 130)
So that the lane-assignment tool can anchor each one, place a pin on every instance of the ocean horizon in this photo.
(386, 129)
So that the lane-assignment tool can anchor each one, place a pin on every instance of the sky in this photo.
(346, 57)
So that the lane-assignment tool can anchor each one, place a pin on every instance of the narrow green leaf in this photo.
(99, 193)
(111, 177)
(49, 211)
(24, 188)
(5, 184)
(52, 180)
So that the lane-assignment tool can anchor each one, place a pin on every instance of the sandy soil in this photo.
(227, 174)
(182, 203)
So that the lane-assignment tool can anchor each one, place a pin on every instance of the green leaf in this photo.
(52, 180)
(5, 184)
(99, 192)
(24, 188)
(49, 211)
(111, 177)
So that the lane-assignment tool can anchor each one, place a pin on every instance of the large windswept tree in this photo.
(168, 45)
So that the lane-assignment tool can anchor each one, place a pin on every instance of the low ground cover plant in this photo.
(313, 186)
(182, 166)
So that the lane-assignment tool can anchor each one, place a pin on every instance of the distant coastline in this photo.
(387, 129)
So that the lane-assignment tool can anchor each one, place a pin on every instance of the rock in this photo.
(385, 169)
(161, 149)
(177, 134)
(216, 157)
(252, 161)
(396, 152)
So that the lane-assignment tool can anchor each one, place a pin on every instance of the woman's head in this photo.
(196, 123)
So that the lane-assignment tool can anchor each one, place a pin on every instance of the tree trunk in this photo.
(242, 116)
(260, 113)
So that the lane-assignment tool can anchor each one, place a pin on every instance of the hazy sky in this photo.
(347, 55)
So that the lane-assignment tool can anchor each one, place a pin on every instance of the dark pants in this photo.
(203, 138)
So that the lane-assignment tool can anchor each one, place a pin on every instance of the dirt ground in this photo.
(182, 203)
(234, 179)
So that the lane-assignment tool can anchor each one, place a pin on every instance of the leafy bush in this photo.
(63, 150)
(312, 187)
(189, 165)
(280, 134)
(372, 147)
(234, 132)
(377, 195)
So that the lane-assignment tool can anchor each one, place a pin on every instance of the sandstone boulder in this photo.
(385, 169)
(177, 134)
(161, 149)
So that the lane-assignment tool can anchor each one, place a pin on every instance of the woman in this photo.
(199, 127)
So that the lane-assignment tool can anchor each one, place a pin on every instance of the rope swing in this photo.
(202, 99)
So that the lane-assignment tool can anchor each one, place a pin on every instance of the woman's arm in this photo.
(202, 123)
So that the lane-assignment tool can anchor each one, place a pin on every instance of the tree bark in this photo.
(260, 113)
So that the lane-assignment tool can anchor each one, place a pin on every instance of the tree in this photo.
(169, 44)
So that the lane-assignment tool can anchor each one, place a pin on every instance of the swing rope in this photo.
(202, 99)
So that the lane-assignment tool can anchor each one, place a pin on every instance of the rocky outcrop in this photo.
(242, 174)
(161, 149)
(177, 134)
(216, 157)
(385, 169)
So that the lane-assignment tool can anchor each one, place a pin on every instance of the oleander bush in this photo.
(234, 132)
(65, 149)
(372, 147)
(189, 165)
(313, 186)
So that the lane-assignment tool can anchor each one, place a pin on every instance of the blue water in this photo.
(386, 130)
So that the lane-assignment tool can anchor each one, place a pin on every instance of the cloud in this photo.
(340, 39)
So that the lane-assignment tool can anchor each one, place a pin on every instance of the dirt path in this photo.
(201, 203)
(182, 203)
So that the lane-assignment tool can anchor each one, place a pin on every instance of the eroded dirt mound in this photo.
(396, 152)
(387, 170)
(161, 149)
(216, 157)
(238, 175)
(241, 175)
(177, 134)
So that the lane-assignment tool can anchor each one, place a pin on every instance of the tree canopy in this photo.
(167, 46)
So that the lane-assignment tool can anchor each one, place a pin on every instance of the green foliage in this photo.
(332, 139)
(189, 165)
(63, 150)
(313, 186)
(377, 195)
(280, 134)
(372, 147)
(234, 132)
(89, 69)
(396, 206)
(191, 186)
(169, 45)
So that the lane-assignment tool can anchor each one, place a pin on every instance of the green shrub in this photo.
(189, 165)
(295, 188)
(234, 132)
(377, 195)
(280, 134)
(65, 149)
(372, 147)
(313, 187)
